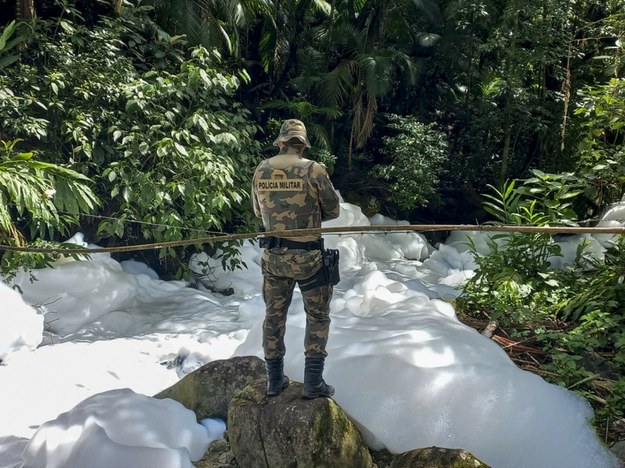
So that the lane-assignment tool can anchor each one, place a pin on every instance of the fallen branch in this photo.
(516, 346)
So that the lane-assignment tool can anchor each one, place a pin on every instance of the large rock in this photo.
(436, 457)
(288, 431)
(218, 455)
(208, 390)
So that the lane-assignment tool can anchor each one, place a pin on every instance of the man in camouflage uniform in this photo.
(291, 192)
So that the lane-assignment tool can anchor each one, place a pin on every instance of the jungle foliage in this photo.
(145, 118)
(570, 312)
(495, 89)
(151, 122)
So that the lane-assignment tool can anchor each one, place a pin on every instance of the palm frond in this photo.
(213, 34)
(375, 69)
(311, 61)
(347, 38)
(323, 5)
(267, 48)
(359, 5)
(305, 82)
(428, 39)
(405, 62)
(302, 109)
(8, 232)
(319, 136)
(335, 86)
(40, 191)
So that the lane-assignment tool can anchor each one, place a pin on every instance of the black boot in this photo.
(314, 385)
(276, 380)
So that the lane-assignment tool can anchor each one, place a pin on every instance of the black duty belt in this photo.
(278, 242)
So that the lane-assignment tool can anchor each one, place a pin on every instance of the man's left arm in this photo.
(328, 198)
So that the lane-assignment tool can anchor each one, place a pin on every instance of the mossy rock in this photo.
(436, 457)
(288, 431)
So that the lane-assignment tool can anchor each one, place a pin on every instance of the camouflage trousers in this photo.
(282, 269)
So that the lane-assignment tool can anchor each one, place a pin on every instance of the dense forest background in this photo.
(415, 106)
(142, 122)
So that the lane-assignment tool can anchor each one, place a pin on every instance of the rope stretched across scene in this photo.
(327, 230)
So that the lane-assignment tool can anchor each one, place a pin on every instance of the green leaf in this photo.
(181, 149)
(6, 33)
(22, 156)
(571, 194)
(8, 60)
(144, 148)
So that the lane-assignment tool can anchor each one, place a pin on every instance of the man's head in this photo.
(292, 133)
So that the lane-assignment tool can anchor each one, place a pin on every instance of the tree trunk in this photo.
(566, 92)
(505, 153)
(25, 10)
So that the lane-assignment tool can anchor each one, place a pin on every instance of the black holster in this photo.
(331, 265)
(327, 274)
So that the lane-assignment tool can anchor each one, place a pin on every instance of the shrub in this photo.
(415, 157)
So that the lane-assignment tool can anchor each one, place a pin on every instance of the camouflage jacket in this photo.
(290, 192)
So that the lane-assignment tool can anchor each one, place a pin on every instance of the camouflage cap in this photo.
(292, 128)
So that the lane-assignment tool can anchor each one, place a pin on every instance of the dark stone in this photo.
(218, 455)
(288, 431)
(436, 457)
(208, 390)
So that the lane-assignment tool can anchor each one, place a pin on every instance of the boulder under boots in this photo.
(314, 385)
(276, 380)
